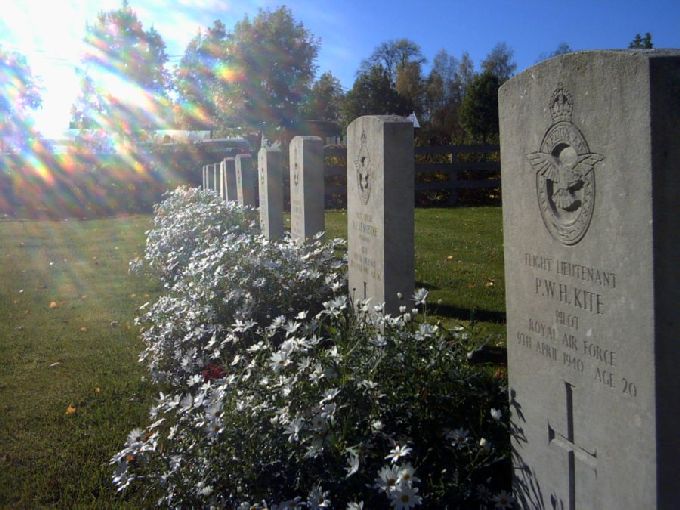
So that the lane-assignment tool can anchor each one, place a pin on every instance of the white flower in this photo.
(355, 506)
(318, 498)
(398, 452)
(407, 475)
(485, 444)
(503, 500)
(352, 463)
(458, 437)
(134, 436)
(388, 476)
(405, 497)
(420, 296)
(376, 426)
(293, 429)
(496, 414)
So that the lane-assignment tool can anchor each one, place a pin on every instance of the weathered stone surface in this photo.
(246, 180)
(306, 187)
(589, 155)
(270, 173)
(380, 210)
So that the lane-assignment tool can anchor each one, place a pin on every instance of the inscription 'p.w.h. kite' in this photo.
(565, 178)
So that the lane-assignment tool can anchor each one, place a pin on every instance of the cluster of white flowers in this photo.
(279, 390)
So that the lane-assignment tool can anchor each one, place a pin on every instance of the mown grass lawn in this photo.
(70, 385)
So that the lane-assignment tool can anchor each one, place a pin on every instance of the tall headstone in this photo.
(589, 156)
(229, 179)
(215, 186)
(270, 174)
(203, 178)
(307, 190)
(221, 180)
(246, 180)
(380, 210)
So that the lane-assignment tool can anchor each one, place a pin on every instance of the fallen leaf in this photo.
(450, 257)
(53, 304)
(83, 328)
(114, 324)
(133, 295)
(97, 390)
(71, 409)
(20, 328)
(21, 291)
(489, 283)
(54, 364)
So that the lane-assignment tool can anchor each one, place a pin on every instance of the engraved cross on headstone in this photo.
(574, 452)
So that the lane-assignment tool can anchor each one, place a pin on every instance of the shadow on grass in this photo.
(467, 314)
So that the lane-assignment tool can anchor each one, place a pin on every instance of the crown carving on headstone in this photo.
(561, 104)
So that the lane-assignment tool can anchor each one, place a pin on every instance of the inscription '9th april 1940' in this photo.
(580, 352)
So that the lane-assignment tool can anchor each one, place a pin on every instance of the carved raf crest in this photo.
(362, 165)
(565, 181)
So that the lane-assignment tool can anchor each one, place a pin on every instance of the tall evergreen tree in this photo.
(273, 57)
(201, 76)
(642, 42)
(124, 79)
(325, 99)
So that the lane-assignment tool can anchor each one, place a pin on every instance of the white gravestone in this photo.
(589, 156)
(246, 180)
(380, 210)
(229, 179)
(307, 190)
(203, 176)
(222, 179)
(270, 174)
(215, 186)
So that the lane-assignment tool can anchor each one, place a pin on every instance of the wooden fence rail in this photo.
(445, 175)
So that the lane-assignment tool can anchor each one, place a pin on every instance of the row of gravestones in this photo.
(380, 201)
(590, 156)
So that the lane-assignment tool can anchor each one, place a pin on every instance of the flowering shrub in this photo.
(187, 221)
(281, 393)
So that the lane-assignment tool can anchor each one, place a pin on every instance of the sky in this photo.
(50, 33)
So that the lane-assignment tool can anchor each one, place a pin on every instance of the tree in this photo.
(479, 111)
(410, 86)
(373, 94)
(562, 49)
(325, 99)
(124, 80)
(499, 62)
(201, 76)
(19, 93)
(391, 55)
(273, 57)
(643, 43)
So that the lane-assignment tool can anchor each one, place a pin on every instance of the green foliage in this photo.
(201, 77)
(499, 62)
(19, 92)
(373, 94)
(479, 111)
(325, 99)
(391, 55)
(273, 58)
(642, 42)
(120, 50)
